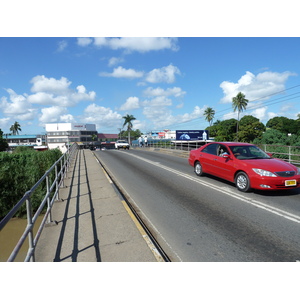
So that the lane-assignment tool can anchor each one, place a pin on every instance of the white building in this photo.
(60, 135)
(32, 141)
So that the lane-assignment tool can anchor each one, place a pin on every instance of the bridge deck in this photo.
(92, 222)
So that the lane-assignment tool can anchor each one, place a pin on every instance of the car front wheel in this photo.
(242, 182)
(198, 169)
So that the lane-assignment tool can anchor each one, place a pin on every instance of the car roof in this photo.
(232, 143)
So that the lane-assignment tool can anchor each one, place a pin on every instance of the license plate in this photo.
(290, 182)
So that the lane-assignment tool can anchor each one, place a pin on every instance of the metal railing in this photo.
(290, 154)
(51, 195)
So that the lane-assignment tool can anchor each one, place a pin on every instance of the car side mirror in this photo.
(227, 156)
(270, 154)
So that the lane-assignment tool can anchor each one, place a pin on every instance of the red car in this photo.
(246, 165)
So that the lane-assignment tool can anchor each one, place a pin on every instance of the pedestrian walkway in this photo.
(92, 223)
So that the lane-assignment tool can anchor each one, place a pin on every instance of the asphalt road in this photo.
(205, 219)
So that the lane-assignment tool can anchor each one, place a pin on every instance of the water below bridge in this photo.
(10, 235)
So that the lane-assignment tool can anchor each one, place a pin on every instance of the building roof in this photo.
(107, 135)
(18, 137)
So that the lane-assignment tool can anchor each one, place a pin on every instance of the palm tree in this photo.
(128, 122)
(239, 103)
(209, 114)
(15, 128)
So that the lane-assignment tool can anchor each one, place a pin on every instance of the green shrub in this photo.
(19, 171)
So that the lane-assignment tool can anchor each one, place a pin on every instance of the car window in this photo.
(256, 152)
(211, 149)
(248, 152)
(222, 150)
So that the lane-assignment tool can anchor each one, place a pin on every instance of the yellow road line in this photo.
(153, 249)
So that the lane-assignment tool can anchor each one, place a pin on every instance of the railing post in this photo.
(56, 183)
(62, 173)
(48, 200)
(289, 154)
(30, 224)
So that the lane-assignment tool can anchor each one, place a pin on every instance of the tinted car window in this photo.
(248, 152)
(211, 149)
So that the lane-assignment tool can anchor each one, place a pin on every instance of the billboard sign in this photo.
(192, 135)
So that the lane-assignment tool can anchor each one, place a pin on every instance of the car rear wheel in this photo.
(242, 182)
(198, 169)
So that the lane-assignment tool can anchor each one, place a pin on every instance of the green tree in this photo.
(15, 128)
(3, 142)
(128, 121)
(272, 136)
(284, 124)
(239, 103)
(134, 134)
(225, 130)
(209, 114)
(250, 128)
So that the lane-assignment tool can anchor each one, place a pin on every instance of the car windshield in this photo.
(248, 152)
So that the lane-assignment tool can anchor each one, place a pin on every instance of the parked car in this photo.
(246, 165)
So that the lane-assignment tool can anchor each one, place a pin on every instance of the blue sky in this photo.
(166, 83)
(57, 66)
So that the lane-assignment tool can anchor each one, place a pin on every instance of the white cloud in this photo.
(175, 91)
(114, 61)
(255, 87)
(130, 44)
(67, 119)
(17, 104)
(83, 42)
(162, 116)
(260, 113)
(4, 122)
(81, 89)
(158, 101)
(164, 74)
(121, 72)
(289, 107)
(103, 117)
(232, 115)
(141, 125)
(50, 91)
(49, 99)
(62, 45)
(272, 115)
(130, 104)
(52, 114)
(49, 85)
(29, 115)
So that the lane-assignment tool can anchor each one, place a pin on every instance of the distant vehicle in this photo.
(122, 144)
(246, 165)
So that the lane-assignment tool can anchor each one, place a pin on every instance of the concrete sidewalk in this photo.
(93, 224)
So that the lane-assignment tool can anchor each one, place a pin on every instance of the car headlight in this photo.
(262, 172)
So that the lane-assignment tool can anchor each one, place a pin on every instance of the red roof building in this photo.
(108, 137)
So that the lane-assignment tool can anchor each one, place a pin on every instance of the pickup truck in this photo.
(121, 144)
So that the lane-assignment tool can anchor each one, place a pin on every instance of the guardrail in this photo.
(51, 194)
